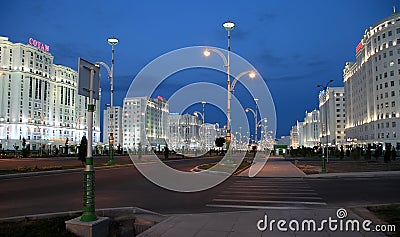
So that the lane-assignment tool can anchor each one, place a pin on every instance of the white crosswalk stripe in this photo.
(262, 193)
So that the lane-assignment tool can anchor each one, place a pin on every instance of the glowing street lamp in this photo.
(326, 128)
(112, 41)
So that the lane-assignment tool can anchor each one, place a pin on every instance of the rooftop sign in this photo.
(39, 45)
(359, 46)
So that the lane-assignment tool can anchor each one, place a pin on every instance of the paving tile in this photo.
(209, 233)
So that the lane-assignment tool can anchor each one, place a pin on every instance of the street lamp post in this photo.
(228, 27)
(326, 128)
(112, 41)
(255, 123)
(196, 113)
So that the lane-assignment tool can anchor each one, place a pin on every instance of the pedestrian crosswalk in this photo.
(276, 193)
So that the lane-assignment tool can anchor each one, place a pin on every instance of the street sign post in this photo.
(89, 86)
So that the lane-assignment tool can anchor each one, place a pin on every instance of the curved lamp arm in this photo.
(251, 74)
(207, 53)
(107, 67)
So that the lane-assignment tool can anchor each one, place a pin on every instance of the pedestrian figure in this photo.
(166, 152)
(386, 156)
(376, 153)
(393, 151)
(83, 150)
(341, 153)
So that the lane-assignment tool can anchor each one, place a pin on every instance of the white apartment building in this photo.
(294, 135)
(311, 129)
(210, 134)
(332, 116)
(145, 123)
(39, 100)
(113, 124)
(184, 132)
(372, 86)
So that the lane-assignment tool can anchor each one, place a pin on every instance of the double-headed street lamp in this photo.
(227, 63)
(228, 27)
(112, 41)
(196, 113)
(255, 120)
(326, 127)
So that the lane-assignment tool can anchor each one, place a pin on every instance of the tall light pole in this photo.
(256, 126)
(112, 41)
(203, 103)
(228, 27)
(196, 113)
(255, 123)
(326, 127)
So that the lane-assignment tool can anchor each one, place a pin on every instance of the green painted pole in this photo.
(323, 170)
(89, 213)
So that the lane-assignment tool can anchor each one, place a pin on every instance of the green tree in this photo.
(220, 141)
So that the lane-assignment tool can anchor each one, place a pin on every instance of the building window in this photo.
(393, 124)
(393, 104)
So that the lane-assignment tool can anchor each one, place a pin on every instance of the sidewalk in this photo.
(275, 167)
(247, 223)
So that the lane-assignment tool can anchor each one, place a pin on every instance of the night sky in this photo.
(294, 45)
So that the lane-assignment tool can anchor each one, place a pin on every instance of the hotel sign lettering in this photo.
(39, 45)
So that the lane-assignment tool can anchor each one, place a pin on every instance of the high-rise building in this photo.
(115, 126)
(184, 131)
(311, 129)
(372, 86)
(294, 135)
(210, 134)
(332, 116)
(145, 123)
(39, 100)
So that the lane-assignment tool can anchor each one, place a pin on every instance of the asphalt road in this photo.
(115, 187)
(125, 186)
(353, 191)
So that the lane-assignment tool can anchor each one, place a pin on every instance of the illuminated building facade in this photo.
(145, 123)
(39, 100)
(332, 116)
(372, 86)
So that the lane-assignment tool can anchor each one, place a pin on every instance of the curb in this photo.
(50, 172)
(354, 175)
(100, 212)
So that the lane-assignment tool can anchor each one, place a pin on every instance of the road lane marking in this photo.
(265, 201)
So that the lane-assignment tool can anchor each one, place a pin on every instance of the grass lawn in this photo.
(314, 167)
(37, 228)
(390, 214)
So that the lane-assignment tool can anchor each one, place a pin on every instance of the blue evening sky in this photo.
(295, 45)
